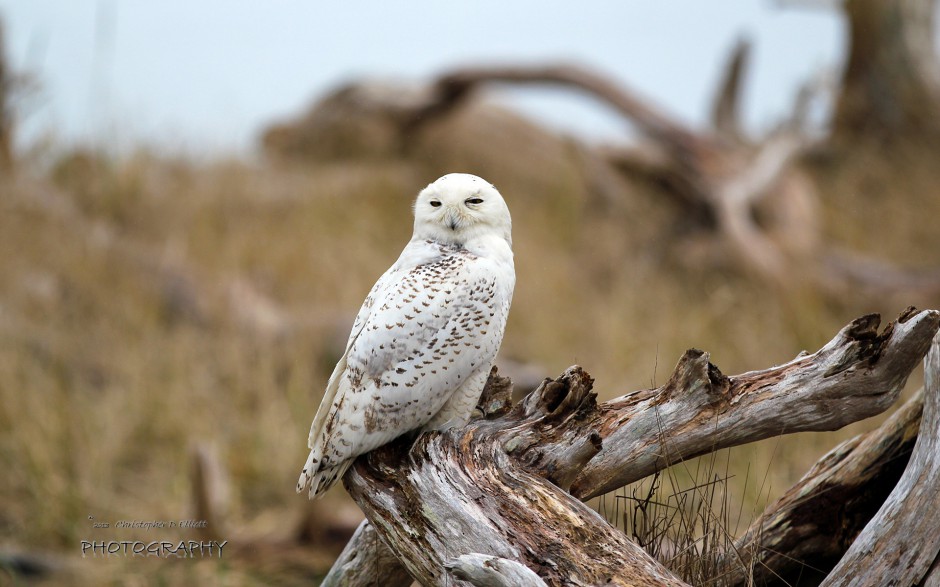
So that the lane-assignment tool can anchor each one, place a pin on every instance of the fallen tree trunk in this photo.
(498, 485)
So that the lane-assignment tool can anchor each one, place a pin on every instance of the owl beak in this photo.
(452, 221)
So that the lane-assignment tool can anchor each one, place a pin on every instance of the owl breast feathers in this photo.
(426, 336)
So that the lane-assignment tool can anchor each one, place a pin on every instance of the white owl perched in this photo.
(425, 338)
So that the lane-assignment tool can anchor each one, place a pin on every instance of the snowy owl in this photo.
(424, 341)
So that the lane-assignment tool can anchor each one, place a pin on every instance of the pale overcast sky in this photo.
(208, 74)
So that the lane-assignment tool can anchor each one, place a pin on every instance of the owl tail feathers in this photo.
(318, 481)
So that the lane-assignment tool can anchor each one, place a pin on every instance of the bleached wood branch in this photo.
(699, 410)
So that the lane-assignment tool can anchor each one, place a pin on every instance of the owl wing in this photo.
(429, 323)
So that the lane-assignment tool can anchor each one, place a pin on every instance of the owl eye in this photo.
(473, 201)
(435, 203)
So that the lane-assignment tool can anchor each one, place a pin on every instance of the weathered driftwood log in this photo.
(802, 536)
(496, 486)
(900, 545)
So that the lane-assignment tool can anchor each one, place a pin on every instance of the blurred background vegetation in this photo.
(167, 323)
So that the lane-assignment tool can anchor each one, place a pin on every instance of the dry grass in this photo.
(147, 304)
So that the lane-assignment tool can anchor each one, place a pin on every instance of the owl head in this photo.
(460, 208)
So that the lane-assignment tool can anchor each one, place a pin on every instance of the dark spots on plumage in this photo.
(399, 370)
